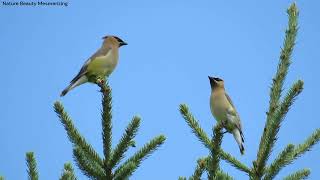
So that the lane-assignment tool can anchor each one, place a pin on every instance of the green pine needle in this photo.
(201, 166)
(125, 171)
(299, 175)
(74, 136)
(106, 114)
(194, 124)
(291, 153)
(213, 164)
(143, 153)
(268, 138)
(222, 176)
(85, 156)
(281, 161)
(88, 167)
(68, 172)
(307, 145)
(234, 162)
(276, 119)
(125, 142)
(32, 166)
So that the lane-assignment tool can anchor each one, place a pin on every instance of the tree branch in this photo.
(275, 122)
(143, 153)
(222, 176)
(307, 145)
(276, 89)
(299, 175)
(193, 123)
(214, 159)
(125, 171)
(68, 172)
(127, 137)
(281, 161)
(88, 167)
(106, 124)
(32, 166)
(201, 165)
(74, 135)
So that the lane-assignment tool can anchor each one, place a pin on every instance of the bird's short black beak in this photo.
(212, 81)
(123, 44)
(211, 78)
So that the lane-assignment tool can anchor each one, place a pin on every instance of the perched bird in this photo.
(224, 111)
(100, 64)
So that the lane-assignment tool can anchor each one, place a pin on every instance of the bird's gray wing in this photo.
(83, 70)
(234, 118)
(230, 101)
(234, 112)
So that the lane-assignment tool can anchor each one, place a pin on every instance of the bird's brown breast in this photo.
(219, 105)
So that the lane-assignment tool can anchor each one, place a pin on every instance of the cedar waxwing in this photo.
(100, 64)
(224, 111)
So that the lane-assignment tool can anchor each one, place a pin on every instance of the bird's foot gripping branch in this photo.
(107, 167)
(101, 82)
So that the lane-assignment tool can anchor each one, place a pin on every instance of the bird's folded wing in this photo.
(229, 99)
(83, 70)
(233, 116)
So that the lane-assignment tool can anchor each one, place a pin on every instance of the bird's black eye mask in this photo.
(213, 81)
(217, 79)
(118, 39)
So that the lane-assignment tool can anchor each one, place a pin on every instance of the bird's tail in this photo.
(238, 136)
(66, 90)
(74, 84)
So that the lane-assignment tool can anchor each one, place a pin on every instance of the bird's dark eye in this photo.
(105, 37)
(217, 79)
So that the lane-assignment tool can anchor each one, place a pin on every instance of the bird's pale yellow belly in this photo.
(102, 66)
(218, 108)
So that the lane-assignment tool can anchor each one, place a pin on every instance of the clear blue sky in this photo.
(173, 47)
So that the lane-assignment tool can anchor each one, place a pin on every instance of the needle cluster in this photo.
(107, 167)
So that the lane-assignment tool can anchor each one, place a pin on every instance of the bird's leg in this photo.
(223, 123)
(99, 81)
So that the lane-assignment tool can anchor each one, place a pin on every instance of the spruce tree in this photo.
(278, 108)
(87, 159)
(108, 167)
